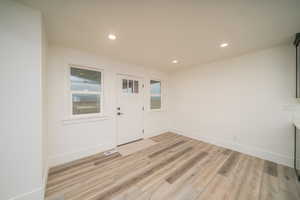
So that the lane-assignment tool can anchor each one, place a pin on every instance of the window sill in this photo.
(84, 119)
(156, 110)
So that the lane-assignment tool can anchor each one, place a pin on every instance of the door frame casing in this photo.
(142, 91)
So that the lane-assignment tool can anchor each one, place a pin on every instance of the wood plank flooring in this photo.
(176, 168)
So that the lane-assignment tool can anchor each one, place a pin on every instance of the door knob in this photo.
(119, 113)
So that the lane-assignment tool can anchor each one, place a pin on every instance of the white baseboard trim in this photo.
(246, 149)
(36, 194)
(68, 157)
(45, 178)
(151, 134)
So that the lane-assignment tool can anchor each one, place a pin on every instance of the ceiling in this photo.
(153, 33)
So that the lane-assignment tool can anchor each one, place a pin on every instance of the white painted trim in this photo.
(152, 134)
(36, 194)
(156, 110)
(79, 120)
(246, 149)
(45, 178)
(68, 157)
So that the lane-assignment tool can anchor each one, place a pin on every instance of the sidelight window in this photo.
(155, 95)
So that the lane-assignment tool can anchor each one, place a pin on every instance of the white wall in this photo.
(69, 140)
(243, 103)
(20, 102)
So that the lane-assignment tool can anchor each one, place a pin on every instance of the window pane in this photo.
(130, 86)
(85, 103)
(85, 80)
(124, 85)
(136, 87)
(155, 102)
(155, 89)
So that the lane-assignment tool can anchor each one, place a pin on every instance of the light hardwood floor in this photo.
(177, 168)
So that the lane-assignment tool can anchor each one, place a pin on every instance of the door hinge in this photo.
(143, 108)
(143, 131)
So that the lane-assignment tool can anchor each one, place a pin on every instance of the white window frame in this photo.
(161, 94)
(101, 96)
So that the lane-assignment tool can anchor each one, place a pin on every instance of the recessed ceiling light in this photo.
(112, 37)
(175, 61)
(224, 45)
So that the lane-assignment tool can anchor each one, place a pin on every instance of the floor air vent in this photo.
(107, 153)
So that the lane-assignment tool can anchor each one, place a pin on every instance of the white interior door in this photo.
(129, 109)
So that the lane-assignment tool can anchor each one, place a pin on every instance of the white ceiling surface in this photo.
(152, 33)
